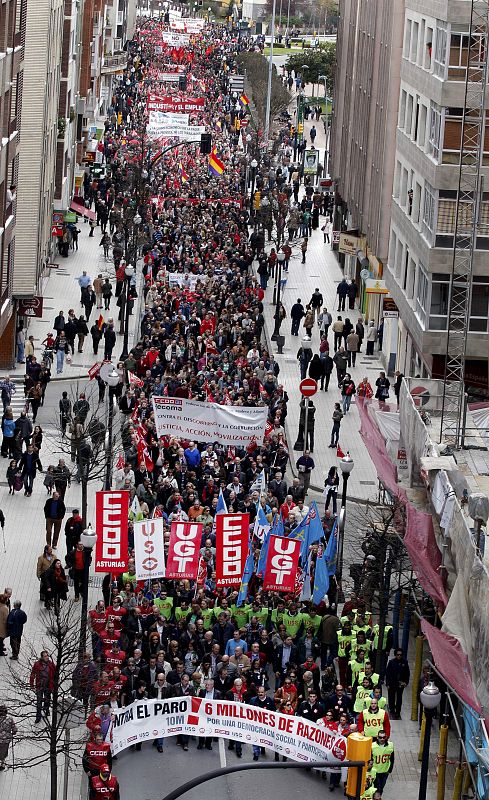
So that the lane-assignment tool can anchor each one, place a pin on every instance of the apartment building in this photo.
(39, 134)
(12, 40)
(363, 141)
(426, 169)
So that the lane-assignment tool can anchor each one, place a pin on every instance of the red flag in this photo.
(263, 392)
(339, 452)
(231, 452)
(268, 428)
(100, 322)
(145, 458)
(202, 574)
(232, 534)
(184, 550)
(165, 390)
(227, 398)
(134, 380)
(157, 513)
(121, 461)
(282, 562)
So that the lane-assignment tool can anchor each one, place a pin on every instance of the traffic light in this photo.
(182, 83)
(300, 128)
(358, 748)
(205, 143)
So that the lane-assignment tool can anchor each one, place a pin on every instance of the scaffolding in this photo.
(467, 222)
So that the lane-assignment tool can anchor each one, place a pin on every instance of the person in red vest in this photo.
(104, 785)
(97, 754)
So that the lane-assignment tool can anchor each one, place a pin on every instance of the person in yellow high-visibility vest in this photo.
(368, 672)
(377, 694)
(369, 792)
(373, 720)
(383, 758)
(363, 691)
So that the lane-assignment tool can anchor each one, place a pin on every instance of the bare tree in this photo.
(47, 741)
(90, 442)
(256, 67)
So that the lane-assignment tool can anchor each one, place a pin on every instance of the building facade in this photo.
(363, 138)
(39, 135)
(12, 41)
(426, 173)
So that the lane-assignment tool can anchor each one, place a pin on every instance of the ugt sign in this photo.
(282, 562)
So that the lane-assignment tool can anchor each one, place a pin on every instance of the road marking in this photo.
(222, 753)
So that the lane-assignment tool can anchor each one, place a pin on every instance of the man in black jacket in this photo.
(285, 654)
(209, 693)
(261, 701)
(160, 690)
(109, 339)
(54, 511)
(316, 302)
(296, 314)
(397, 677)
(311, 709)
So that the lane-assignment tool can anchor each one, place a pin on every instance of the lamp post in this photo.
(430, 699)
(346, 466)
(253, 165)
(129, 272)
(276, 292)
(112, 380)
(270, 73)
(88, 539)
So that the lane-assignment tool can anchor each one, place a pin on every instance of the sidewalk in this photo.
(321, 270)
(60, 290)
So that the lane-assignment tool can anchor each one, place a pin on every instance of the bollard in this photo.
(421, 737)
(457, 783)
(442, 763)
(418, 662)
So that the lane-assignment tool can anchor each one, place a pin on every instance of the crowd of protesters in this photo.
(201, 337)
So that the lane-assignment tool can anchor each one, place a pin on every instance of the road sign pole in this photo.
(306, 414)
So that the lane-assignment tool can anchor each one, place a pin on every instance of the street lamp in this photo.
(253, 165)
(346, 466)
(129, 272)
(88, 539)
(276, 293)
(430, 699)
(111, 380)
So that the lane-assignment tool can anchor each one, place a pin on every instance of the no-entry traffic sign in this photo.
(308, 387)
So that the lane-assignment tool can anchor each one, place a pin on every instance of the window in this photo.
(397, 179)
(422, 293)
(409, 115)
(407, 39)
(441, 46)
(434, 131)
(422, 126)
(459, 53)
(428, 48)
(405, 269)
(402, 109)
(414, 42)
(416, 202)
(479, 307)
(429, 204)
(440, 301)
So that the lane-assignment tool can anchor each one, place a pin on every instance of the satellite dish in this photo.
(365, 274)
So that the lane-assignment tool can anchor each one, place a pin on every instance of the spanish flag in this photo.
(243, 100)
(100, 322)
(183, 174)
(216, 167)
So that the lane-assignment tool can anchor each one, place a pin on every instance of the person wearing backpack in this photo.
(348, 389)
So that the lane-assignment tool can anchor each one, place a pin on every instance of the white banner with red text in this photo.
(149, 549)
(111, 521)
(232, 537)
(290, 736)
(282, 563)
(209, 422)
(184, 551)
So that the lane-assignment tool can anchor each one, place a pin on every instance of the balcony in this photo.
(114, 64)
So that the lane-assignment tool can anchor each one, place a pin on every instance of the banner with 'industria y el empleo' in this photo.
(290, 736)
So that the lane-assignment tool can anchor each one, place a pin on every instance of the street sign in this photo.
(308, 387)
(94, 370)
(31, 307)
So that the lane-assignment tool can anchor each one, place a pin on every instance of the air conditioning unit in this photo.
(80, 105)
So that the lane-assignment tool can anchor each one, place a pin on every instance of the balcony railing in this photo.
(114, 63)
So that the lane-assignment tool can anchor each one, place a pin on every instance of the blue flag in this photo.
(221, 507)
(321, 580)
(277, 529)
(309, 530)
(247, 573)
(331, 549)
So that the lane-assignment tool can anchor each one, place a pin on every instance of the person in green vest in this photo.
(386, 645)
(277, 615)
(207, 615)
(181, 611)
(345, 639)
(363, 691)
(376, 694)
(361, 625)
(370, 789)
(260, 612)
(164, 604)
(374, 720)
(223, 605)
(383, 758)
(293, 621)
(129, 576)
(369, 673)
(312, 620)
(360, 641)
(240, 615)
(357, 665)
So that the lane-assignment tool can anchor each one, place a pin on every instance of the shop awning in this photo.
(81, 210)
